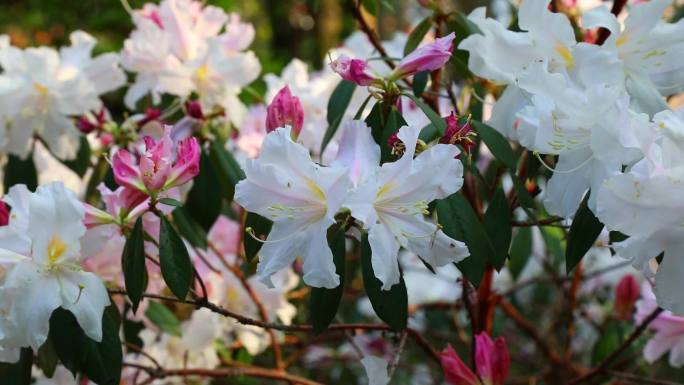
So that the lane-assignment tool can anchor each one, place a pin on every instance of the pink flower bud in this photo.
(456, 372)
(91, 122)
(627, 292)
(194, 109)
(491, 359)
(4, 214)
(353, 70)
(285, 110)
(151, 114)
(428, 57)
(458, 133)
(157, 169)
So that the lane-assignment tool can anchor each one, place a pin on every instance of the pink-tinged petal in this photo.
(4, 214)
(285, 110)
(456, 372)
(187, 164)
(95, 217)
(484, 358)
(155, 163)
(126, 171)
(627, 292)
(225, 235)
(353, 70)
(428, 57)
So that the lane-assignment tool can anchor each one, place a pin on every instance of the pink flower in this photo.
(627, 292)
(285, 110)
(458, 133)
(122, 206)
(669, 330)
(428, 57)
(492, 363)
(157, 169)
(353, 70)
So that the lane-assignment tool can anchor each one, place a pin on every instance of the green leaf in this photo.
(434, 117)
(460, 222)
(584, 231)
(174, 260)
(133, 264)
(391, 305)
(82, 162)
(337, 105)
(428, 133)
(497, 222)
(171, 202)
(20, 171)
(189, 228)
(261, 227)
(370, 6)
(47, 359)
(324, 302)
(521, 250)
(226, 168)
(420, 82)
(502, 151)
(417, 35)
(204, 201)
(18, 373)
(609, 340)
(376, 121)
(161, 316)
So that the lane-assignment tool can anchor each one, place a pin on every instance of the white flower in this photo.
(391, 200)
(42, 90)
(644, 204)
(179, 48)
(649, 48)
(42, 246)
(301, 198)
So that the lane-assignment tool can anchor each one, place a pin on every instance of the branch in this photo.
(603, 366)
(372, 36)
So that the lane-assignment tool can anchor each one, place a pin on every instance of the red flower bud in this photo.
(4, 214)
(627, 292)
(285, 110)
(458, 133)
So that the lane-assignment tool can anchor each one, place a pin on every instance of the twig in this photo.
(603, 366)
(355, 7)
(633, 378)
(397, 355)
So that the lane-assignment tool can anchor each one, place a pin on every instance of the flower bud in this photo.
(353, 70)
(4, 214)
(627, 292)
(458, 133)
(91, 122)
(285, 110)
(151, 114)
(492, 360)
(456, 372)
(428, 57)
(194, 109)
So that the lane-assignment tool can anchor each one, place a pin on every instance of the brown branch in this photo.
(633, 378)
(250, 371)
(604, 365)
(355, 7)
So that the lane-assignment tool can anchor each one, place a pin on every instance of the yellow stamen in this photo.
(42, 90)
(316, 190)
(55, 249)
(202, 72)
(565, 53)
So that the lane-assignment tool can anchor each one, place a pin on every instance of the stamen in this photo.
(252, 234)
(584, 163)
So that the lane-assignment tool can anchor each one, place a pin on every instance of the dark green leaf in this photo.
(20, 171)
(226, 168)
(161, 316)
(521, 249)
(337, 105)
(324, 302)
(393, 123)
(371, 6)
(428, 133)
(82, 162)
(420, 82)
(497, 222)
(376, 121)
(68, 339)
(609, 340)
(174, 260)
(391, 305)
(18, 373)
(502, 151)
(171, 202)
(362, 108)
(417, 35)
(133, 264)
(261, 227)
(583, 232)
(434, 117)
(132, 330)
(460, 222)
(47, 358)
(103, 359)
(189, 228)
(204, 201)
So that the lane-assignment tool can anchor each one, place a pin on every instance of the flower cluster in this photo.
(389, 200)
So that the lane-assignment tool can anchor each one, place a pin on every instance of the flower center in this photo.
(565, 53)
(55, 249)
